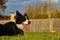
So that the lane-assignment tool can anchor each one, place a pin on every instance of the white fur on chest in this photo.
(20, 26)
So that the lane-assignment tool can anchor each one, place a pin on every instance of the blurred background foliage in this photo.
(42, 10)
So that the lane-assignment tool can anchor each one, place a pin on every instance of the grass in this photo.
(34, 36)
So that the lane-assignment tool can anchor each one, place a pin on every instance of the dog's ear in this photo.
(18, 14)
(26, 16)
(19, 18)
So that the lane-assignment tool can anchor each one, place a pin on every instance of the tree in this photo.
(2, 2)
(33, 10)
(3, 6)
(28, 11)
(40, 10)
(48, 7)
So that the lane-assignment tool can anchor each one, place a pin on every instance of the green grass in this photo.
(33, 36)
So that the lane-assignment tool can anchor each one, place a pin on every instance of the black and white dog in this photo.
(12, 28)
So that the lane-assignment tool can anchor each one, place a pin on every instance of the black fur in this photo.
(26, 16)
(19, 18)
(10, 28)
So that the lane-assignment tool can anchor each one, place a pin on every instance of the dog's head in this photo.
(22, 20)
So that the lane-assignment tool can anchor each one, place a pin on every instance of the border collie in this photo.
(12, 28)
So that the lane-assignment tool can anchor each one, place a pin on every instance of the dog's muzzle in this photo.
(26, 27)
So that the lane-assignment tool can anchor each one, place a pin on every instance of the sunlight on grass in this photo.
(33, 36)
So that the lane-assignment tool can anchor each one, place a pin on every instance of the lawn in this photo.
(34, 36)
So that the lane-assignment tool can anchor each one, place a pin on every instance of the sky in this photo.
(13, 5)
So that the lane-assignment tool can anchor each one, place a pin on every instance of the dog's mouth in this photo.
(26, 27)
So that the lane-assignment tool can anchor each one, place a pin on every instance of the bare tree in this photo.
(3, 6)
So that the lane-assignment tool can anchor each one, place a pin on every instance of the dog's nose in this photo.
(29, 22)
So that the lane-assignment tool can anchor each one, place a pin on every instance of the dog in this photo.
(12, 28)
